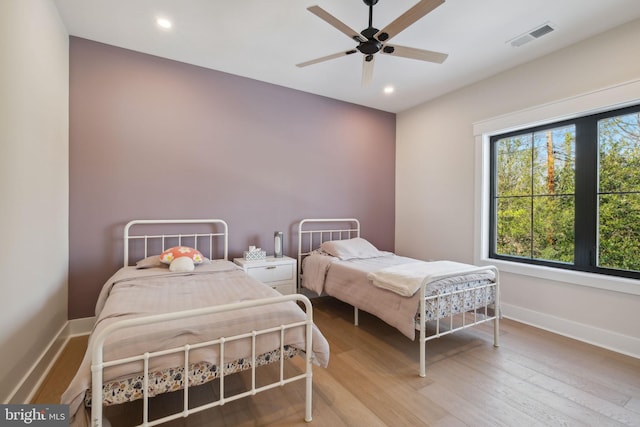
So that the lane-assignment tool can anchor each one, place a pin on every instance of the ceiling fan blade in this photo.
(326, 58)
(336, 23)
(413, 53)
(409, 17)
(367, 69)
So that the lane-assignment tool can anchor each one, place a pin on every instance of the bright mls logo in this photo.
(34, 415)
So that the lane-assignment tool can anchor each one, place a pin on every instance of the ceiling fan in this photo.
(371, 40)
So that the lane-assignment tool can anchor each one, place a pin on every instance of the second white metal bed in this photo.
(193, 336)
(448, 303)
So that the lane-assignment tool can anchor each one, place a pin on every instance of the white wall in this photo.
(436, 183)
(34, 185)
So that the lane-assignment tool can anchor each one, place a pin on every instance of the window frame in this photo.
(585, 195)
(493, 199)
(610, 98)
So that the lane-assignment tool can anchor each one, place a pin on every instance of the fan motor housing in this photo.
(370, 47)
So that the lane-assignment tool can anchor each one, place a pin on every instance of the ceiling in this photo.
(264, 40)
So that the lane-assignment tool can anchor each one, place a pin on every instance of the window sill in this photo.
(599, 281)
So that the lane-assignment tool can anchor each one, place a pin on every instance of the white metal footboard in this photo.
(98, 364)
(467, 318)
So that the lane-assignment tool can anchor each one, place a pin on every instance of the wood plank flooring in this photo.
(62, 372)
(535, 378)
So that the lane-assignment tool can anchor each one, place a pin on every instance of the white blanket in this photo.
(406, 279)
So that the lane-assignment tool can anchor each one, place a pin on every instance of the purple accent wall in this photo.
(152, 138)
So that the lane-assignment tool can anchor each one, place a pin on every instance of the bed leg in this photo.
(497, 312)
(423, 332)
(496, 330)
(355, 316)
(423, 355)
(423, 345)
(308, 416)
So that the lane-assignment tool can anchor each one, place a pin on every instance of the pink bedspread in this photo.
(132, 292)
(348, 282)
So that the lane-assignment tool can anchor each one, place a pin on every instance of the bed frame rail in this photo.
(98, 364)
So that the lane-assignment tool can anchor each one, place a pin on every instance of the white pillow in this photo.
(356, 248)
(182, 264)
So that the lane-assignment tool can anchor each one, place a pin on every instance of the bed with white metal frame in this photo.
(485, 296)
(215, 241)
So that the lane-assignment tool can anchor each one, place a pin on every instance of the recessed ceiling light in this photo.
(389, 89)
(164, 23)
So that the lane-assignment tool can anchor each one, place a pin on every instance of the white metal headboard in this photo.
(154, 244)
(312, 232)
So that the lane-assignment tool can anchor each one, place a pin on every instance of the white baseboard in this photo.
(31, 382)
(607, 339)
(24, 390)
(81, 326)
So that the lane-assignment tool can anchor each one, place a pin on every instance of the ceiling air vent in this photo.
(536, 33)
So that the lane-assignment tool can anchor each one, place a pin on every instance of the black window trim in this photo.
(586, 220)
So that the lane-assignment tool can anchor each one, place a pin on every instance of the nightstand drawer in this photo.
(272, 273)
(279, 273)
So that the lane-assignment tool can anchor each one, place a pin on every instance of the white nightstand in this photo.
(279, 273)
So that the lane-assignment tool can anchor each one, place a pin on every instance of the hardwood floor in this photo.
(62, 372)
(535, 378)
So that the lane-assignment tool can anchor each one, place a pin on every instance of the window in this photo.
(567, 194)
